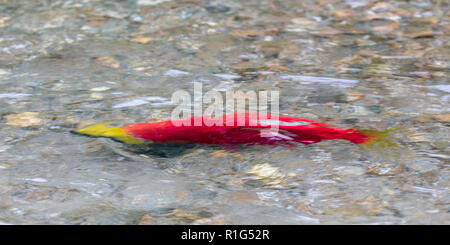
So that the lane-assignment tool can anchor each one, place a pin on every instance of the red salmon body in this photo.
(241, 129)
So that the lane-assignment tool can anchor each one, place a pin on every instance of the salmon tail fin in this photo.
(379, 139)
(102, 130)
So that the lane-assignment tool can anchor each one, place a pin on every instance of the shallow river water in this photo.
(357, 64)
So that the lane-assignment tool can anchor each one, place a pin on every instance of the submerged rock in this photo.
(24, 119)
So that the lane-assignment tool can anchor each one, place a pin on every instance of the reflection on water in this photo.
(366, 65)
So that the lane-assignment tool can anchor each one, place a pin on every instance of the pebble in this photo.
(24, 119)
(4, 72)
(150, 2)
(13, 95)
(175, 73)
(131, 103)
(267, 174)
(39, 180)
(344, 83)
(227, 76)
(100, 89)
